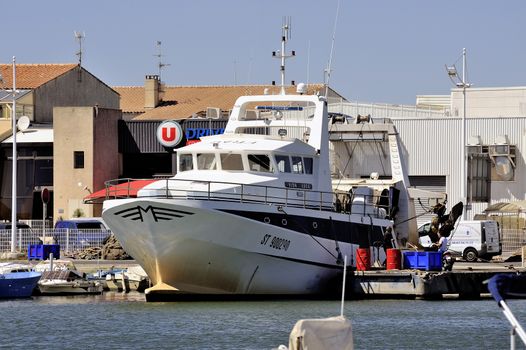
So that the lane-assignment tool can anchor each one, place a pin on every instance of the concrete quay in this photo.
(466, 281)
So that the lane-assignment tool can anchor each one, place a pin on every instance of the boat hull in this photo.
(208, 248)
(18, 284)
(60, 287)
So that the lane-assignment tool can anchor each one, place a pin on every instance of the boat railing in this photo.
(295, 196)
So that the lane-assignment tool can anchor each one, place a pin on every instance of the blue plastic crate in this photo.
(428, 261)
(42, 251)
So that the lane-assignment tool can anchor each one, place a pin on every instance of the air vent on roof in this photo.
(251, 114)
(213, 113)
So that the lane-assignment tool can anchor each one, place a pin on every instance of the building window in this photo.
(479, 178)
(78, 160)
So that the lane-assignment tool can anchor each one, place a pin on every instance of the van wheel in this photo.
(470, 255)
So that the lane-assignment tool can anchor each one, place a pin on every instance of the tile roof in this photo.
(31, 76)
(181, 102)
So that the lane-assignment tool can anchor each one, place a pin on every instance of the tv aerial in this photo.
(159, 55)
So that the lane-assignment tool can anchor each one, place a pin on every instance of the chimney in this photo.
(151, 91)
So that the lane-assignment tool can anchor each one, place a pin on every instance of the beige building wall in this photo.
(490, 102)
(72, 89)
(83, 129)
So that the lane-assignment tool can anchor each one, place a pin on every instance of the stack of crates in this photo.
(42, 251)
(428, 261)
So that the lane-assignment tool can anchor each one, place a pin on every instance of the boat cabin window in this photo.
(259, 162)
(185, 162)
(230, 161)
(307, 165)
(297, 165)
(206, 161)
(283, 163)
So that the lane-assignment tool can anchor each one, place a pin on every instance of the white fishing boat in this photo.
(252, 212)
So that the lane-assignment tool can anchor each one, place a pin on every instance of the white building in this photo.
(431, 133)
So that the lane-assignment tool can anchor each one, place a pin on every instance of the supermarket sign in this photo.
(170, 133)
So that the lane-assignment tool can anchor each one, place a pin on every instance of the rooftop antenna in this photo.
(285, 35)
(329, 65)
(79, 37)
(159, 55)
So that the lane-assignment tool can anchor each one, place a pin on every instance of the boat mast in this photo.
(285, 35)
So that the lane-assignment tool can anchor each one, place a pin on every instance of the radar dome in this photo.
(301, 88)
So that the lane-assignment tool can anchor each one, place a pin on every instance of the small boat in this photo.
(131, 279)
(321, 333)
(60, 277)
(67, 282)
(17, 280)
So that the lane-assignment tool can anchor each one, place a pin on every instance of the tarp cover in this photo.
(319, 334)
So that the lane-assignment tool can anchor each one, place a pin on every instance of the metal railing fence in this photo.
(70, 240)
(512, 240)
(385, 110)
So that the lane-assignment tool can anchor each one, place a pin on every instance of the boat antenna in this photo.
(285, 35)
(329, 64)
(308, 64)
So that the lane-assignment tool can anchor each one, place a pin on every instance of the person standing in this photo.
(441, 244)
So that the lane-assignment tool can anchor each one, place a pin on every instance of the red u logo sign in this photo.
(169, 134)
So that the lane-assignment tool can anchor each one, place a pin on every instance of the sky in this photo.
(385, 51)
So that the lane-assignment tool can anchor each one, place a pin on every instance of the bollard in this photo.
(123, 283)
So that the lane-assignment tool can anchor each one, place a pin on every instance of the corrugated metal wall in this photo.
(432, 147)
(141, 136)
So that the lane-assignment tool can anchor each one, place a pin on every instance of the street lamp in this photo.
(462, 83)
(14, 167)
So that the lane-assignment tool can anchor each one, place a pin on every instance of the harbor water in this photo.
(123, 321)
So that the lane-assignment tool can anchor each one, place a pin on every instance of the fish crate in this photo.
(428, 261)
(42, 251)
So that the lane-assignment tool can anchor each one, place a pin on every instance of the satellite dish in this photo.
(23, 123)
(503, 168)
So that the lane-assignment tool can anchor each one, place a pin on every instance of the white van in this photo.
(470, 239)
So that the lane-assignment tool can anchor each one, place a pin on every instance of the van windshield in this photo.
(89, 225)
